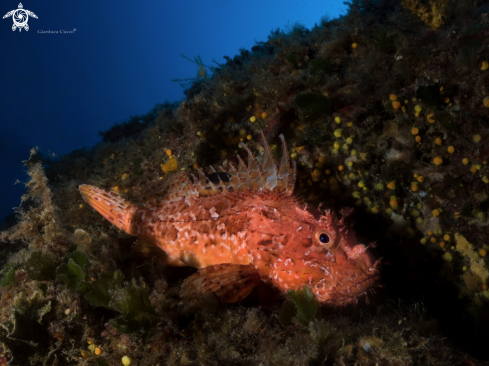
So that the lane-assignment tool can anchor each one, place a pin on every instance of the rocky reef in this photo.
(385, 109)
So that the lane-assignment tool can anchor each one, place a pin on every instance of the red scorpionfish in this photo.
(245, 228)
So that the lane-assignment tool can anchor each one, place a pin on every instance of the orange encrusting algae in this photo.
(244, 228)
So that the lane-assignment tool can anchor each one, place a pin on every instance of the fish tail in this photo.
(110, 205)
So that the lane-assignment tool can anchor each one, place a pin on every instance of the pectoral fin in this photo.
(229, 282)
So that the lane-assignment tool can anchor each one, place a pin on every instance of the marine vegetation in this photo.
(384, 111)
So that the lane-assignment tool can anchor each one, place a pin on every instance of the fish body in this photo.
(244, 229)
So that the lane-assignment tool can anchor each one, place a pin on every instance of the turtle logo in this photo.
(20, 17)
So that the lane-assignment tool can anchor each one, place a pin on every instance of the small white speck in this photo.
(367, 347)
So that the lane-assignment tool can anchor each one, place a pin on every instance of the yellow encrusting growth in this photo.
(170, 165)
(477, 265)
(431, 14)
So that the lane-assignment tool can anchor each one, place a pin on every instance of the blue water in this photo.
(104, 62)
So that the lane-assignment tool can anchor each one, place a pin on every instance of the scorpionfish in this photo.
(242, 227)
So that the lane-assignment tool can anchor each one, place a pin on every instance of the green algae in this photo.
(305, 303)
(74, 273)
(41, 266)
(71, 274)
(25, 336)
(135, 307)
(101, 290)
(313, 102)
(319, 65)
(132, 301)
(9, 277)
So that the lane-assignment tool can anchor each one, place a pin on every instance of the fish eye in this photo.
(324, 238)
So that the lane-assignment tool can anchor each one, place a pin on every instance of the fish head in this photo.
(321, 252)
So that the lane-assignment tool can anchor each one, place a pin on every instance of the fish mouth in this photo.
(356, 281)
(357, 287)
(345, 295)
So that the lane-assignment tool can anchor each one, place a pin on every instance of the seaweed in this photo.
(306, 304)
(132, 301)
(25, 336)
(137, 313)
(313, 105)
(71, 274)
(287, 312)
(74, 273)
(380, 41)
(41, 266)
(9, 277)
(292, 59)
(101, 289)
(319, 65)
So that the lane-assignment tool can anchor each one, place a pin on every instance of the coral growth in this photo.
(432, 15)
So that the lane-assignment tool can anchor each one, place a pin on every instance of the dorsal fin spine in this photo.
(253, 169)
(243, 175)
(283, 170)
(280, 179)
(268, 166)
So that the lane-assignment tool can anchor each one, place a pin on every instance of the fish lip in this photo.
(371, 279)
(353, 297)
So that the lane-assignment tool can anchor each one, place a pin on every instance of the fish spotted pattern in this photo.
(245, 228)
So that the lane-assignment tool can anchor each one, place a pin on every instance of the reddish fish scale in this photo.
(199, 232)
